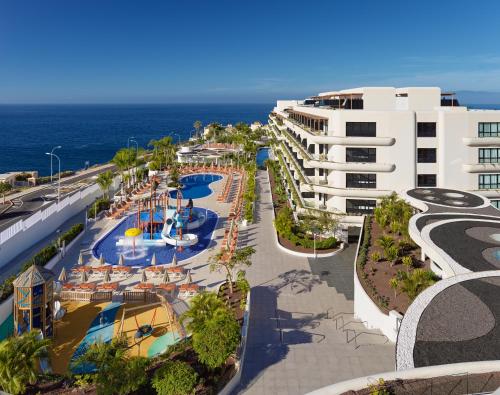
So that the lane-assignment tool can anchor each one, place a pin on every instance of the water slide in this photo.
(169, 233)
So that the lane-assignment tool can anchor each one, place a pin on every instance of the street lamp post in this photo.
(51, 152)
(59, 178)
(178, 137)
(136, 152)
(128, 141)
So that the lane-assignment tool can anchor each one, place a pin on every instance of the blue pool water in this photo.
(164, 253)
(96, 333)
(196, 186)
(262, 156)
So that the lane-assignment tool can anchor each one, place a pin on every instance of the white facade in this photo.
(346, 149)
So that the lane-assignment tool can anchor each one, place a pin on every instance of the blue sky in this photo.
(244, 51)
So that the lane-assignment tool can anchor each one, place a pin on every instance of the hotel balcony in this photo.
(481, 167)
(345, 192)
(482, 141)
(342, 140)
(321, 161)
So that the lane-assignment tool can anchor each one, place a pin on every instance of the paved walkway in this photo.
(293, 345)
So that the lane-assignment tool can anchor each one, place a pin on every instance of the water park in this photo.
(138, 275)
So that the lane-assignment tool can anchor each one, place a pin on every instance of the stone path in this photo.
(293, 344)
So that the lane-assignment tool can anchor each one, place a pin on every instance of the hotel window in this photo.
(489, 129)
(358, 180)
(495, 203)
(307, 195)
(426, 180)
(489, 155)
(426, 129)
(361, 155)
(355, 206)
(489, 181)
(361, 129)
(426, 155)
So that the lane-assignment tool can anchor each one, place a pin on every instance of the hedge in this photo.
(365, 243)
(98, 206)
(41, 258)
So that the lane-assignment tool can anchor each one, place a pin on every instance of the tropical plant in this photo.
(394, 284)
(385, 241)
(174, 378)
(218, 339)
(415, 281)
(105, 180)
(203, 307)
(392, 254)
(375, 256)
(407, 261)
(4, 188)
(379, 388)
(197, 126)
(19, 357)
(116, 371)
(239, 258)
(123, 160)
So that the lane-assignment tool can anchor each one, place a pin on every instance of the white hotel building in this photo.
(346, 149)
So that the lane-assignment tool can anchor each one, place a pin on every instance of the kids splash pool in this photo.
(196, 186)
(143, 254)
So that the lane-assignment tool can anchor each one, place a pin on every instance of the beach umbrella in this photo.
(189, 279)
(121, 260)
(174, 260)
(107, 277)
(62, 276)
(166, 278)
(153, 259)
(80, 259)
(144, 277)
(83, 277)
(101, 260)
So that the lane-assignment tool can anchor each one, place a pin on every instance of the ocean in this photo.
(94, 133)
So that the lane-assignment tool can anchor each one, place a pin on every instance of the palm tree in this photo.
(117, 371)
(386, 242)
(19, 357)
(197, 126)
(203, 307)
(121, 160)
(104, 180)
(394, 283)
(4, 188)
(416, 281)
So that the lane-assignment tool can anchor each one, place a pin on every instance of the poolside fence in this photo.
(140, 296)
(85, 296)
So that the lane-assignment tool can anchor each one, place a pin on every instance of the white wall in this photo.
(25, 233)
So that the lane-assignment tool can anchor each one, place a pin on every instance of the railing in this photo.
(307, 128)
(145, 296)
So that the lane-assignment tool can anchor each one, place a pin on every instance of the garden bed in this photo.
(388, 264)
(278, 203)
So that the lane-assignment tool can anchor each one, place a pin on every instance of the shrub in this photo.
(174, 378)
(218, 339)
(375, 256)
(98, 206)
(71, 234)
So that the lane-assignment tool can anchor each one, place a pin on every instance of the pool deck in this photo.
(74, 327)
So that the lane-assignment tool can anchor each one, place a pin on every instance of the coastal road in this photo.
(24, 205)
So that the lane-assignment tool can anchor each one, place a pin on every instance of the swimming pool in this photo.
(164, 253)
(161, 344)
(262, 156)
(196, 186)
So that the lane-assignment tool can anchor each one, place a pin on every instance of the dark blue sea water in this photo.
(94, 132)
